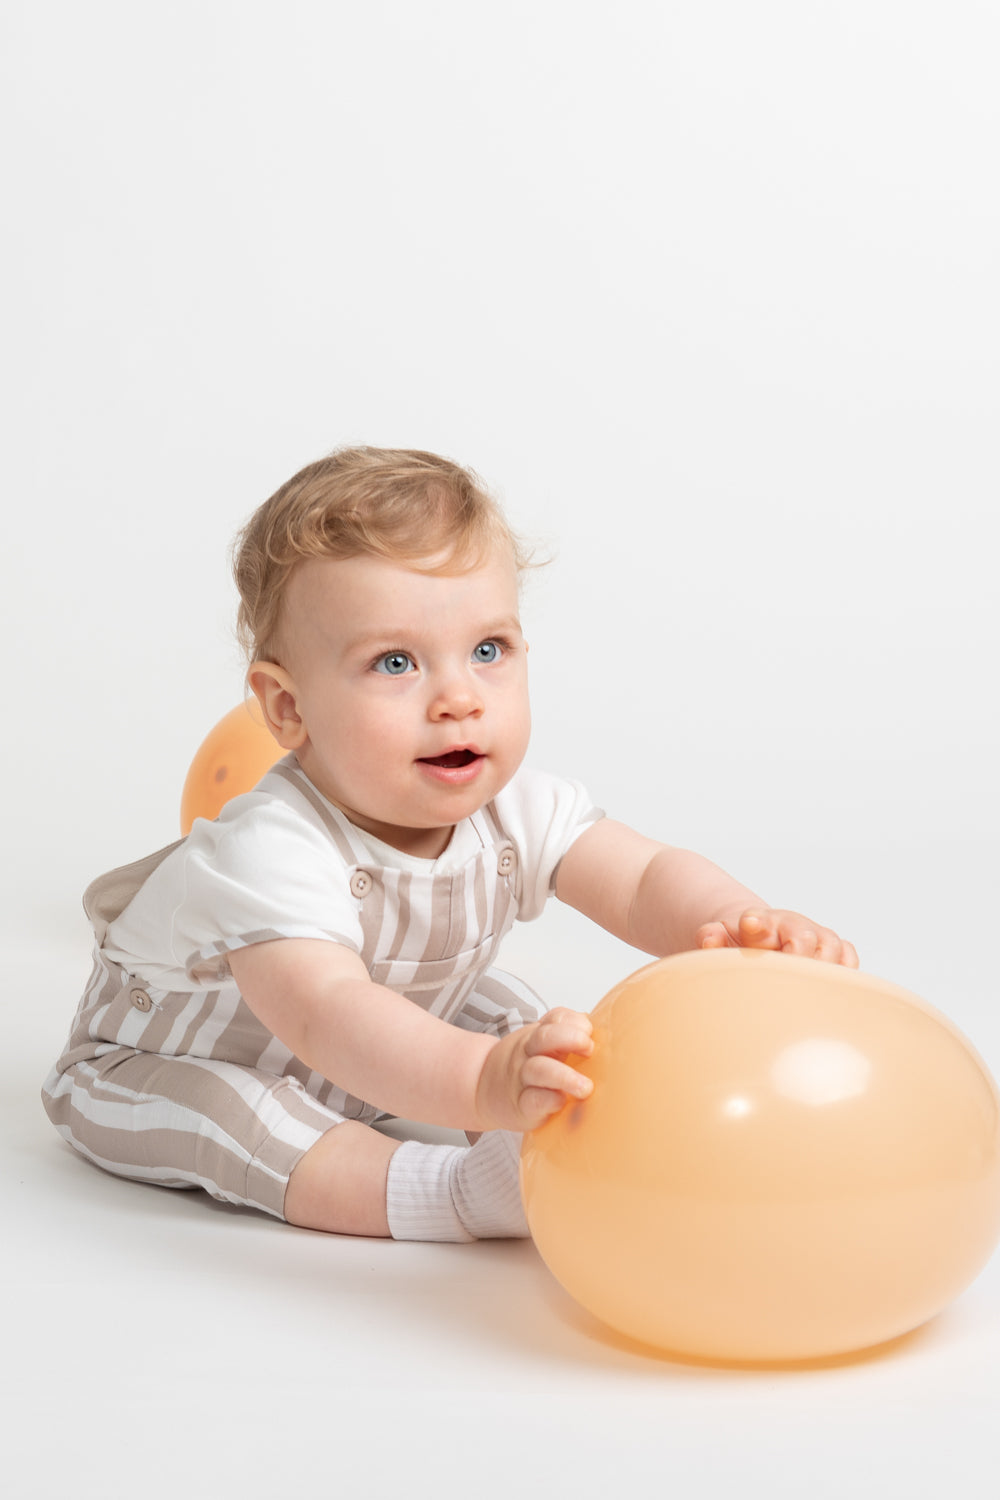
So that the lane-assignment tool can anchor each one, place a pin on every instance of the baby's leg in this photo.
(340, 1183)
(355, 1181)
(249, 1137)
(234, 1131)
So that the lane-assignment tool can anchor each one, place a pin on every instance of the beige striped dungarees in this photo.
(190, 1090)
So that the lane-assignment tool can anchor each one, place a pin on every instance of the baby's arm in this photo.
(666, 900)
(317, 998)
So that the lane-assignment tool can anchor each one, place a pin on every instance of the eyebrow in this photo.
(370, 639)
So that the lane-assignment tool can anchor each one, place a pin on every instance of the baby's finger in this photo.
(828, 947)
(801, 940)
(549, 1073)
(713, 935)
(758, 929)
(831, 949)
(561, 1015)
(849, 956)
(535, 1106)
(560, 1038)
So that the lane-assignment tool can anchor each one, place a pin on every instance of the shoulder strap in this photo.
(487, 816)
(351, 849)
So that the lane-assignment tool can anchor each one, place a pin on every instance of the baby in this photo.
(322, 956)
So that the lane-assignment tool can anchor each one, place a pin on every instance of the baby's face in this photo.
(412, 689)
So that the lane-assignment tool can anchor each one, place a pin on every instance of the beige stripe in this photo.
(403, 915)
(244, 1039)
(508, 994)
(223, 946)
(354, 1108)
(136, 1087)
(459, 908)
(179, 1080)
(448, 1003)
(268, 1173)
(481, 898)
(431, 999)
(296, 1068)
(214, 1021)
(274, 1058)
(376, 911)
(437, 946)
(500, 916)
(304, 1109)
(488, 815)
(103, 988)
(502, 929)
(253, 1169)
(197, 1162)
(209, 1006)
(162, 1019)
(175, 1154)
(438, 922)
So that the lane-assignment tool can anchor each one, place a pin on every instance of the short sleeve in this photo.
(261, 872)
(270, 874)
(543, 816)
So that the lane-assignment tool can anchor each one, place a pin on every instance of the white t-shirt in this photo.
(278, 863)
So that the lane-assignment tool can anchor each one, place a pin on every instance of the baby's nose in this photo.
(458, 697)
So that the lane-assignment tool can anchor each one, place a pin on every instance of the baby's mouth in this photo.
(452, 761)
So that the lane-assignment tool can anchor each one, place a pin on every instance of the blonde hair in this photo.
(398, 503)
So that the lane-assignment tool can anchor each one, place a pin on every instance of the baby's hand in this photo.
(786, 931)
(526, 1078)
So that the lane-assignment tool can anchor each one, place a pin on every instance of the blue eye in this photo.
(394, 664)
(486, 651)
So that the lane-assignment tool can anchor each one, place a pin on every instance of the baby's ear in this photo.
(278, 696)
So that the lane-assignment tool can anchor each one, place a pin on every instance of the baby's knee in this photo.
(339, 1184)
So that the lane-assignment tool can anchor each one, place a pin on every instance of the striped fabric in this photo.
(190, 1089)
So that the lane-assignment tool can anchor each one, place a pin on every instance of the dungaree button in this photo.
(361, 884)
(506, 862)
(139, 998)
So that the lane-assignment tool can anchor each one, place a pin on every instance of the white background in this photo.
(708, 292)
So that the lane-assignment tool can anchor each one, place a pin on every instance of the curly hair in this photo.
(397, 503)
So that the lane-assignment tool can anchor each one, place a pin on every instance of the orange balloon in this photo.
(232, 759)
(781, 1160)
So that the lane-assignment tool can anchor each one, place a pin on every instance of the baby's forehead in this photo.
(332, 594)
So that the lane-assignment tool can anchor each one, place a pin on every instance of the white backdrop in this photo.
(707, 291)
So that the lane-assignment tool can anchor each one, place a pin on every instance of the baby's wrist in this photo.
(492, 1088)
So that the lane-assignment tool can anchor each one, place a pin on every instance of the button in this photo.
(139, 998)
(506, 862)
(361, 884)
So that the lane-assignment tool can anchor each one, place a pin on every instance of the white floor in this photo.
(274, 1357)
